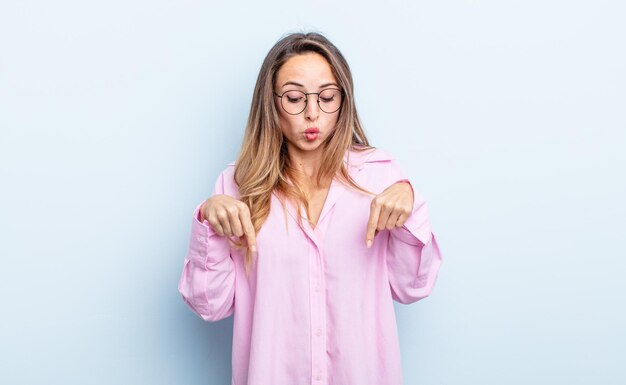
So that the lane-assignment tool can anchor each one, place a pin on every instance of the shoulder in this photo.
(225, 183)
(363, 157)
(376, 168)
(228, 172)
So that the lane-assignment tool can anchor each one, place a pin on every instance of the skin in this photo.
(312, 71)
(314, 74)
(231, 217)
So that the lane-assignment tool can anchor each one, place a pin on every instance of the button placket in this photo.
(318, 316)
(317, 282)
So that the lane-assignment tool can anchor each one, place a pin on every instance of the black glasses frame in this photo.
(306, 100)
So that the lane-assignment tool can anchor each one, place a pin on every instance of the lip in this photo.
(312, 129)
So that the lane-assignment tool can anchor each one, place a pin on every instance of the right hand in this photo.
(229, 217)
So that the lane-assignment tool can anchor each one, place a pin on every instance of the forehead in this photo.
(309, 69)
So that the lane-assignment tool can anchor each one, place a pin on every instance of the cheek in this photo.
(282, 119)
(332, 122)
(286, 125)
(286, 121)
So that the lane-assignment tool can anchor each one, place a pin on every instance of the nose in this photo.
(312, 109)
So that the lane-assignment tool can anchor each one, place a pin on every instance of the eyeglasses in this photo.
(295, 101)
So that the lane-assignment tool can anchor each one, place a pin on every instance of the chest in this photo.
(316, 204)
(335, 244)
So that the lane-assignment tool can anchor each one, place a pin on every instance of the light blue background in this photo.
(509, 116)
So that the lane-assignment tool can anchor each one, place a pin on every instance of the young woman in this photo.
(311, 234)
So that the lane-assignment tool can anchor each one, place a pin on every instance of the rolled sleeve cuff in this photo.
(205, 243)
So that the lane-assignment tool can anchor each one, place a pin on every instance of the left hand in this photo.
(389, 209)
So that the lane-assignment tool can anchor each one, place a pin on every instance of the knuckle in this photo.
(221, 214)
(217, 227)
(242, 206)
(213, 221)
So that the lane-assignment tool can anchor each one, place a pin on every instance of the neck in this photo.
(306, 163)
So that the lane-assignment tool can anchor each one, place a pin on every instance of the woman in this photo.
(312, 297)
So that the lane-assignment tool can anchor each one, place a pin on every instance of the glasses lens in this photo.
(330, 100)
(294, 101)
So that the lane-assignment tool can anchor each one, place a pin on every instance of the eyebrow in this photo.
(322, 86)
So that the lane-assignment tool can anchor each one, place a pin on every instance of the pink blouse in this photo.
(317, 306)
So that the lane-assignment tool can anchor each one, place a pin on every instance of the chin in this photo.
(308, 146)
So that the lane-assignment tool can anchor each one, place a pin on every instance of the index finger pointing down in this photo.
(248, 229)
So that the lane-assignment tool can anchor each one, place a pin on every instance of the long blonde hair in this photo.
(263, 165)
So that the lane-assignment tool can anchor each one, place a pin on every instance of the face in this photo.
(308, 72)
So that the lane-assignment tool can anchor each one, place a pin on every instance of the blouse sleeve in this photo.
(207, 284)
(413, 255)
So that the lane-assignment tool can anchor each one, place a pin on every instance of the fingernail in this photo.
(369, 243)
(253, 248)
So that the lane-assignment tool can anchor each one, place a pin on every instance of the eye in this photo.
(293, 96)
(330, 95)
